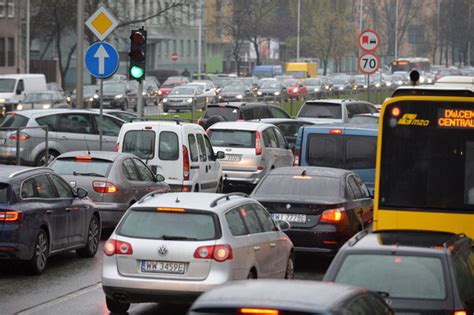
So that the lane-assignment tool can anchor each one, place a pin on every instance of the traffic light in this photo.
(137, 54)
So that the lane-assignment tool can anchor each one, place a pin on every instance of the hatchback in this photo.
(251, 149)
(325, 206)
(418, 272)
(173, 247)
(288, 126)
(41, 215)
(296, 297)
(114, 180)
(333, 111)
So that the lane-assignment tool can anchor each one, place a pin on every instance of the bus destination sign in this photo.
(456, 118)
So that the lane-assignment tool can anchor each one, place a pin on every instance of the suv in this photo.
(45, 216)
(180, 152)
(68, 130)
(334, 110)
(252, 149)
(239, 111)
(416, 271)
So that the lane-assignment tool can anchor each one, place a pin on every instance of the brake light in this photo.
(460, 313)
(336, 131)
(171, 209)
(331, 216)
(117, 147)
(104, 187)
(116, 247)
(395, 112)
(296, 153)
(10, 216)
(219, 253)
(258, 311)
(21, 137)
(258, 143)
(185, 163)
(85, 158)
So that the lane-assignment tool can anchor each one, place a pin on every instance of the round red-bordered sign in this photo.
(368, 40)
(368, 63)
(174, 56)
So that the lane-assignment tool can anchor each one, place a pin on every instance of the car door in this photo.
(285, 156)
(213, 167)
(137, 188)
(203, 169)
(76, 211)
(110, 131)
(366, 201)
(356, 205)
(146, 177)
(271, 144)
(76, 132)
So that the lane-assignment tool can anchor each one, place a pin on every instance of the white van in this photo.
(14, 87)
(181, 152)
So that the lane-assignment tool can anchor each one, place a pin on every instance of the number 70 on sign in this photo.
(369, 63)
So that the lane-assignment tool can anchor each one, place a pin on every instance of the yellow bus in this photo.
(425, 159)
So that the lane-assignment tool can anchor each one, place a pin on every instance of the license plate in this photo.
(162, 266)
(292, 218)
(3, 141)
(233, 157)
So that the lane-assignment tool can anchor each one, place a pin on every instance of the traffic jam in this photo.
(275, 184)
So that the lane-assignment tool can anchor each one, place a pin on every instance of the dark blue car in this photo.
(348, 147)
(41, 215)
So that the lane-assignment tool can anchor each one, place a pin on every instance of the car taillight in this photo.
(116, 247)
(104, 187)
(21, 137)
(331, 216)
(185, 163)
(117, 147)
(258, 311)
(258, 143)
(460, 313)
(10, 216)
(296, 154)
(219, 253)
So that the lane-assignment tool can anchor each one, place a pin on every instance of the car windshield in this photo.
(140, 142)
(298, 74)
(228, 113)
(339, 81)
(14, 121)
(232, 138)
(7, 85)
(178, 226)
(4, 193)
(291, 82)
(299, 186)
(270, 85)
(81, 166)
(90, 90)
(39, 97)
(112, 88)
(313, 82)
(170, 84)
(233, 88)
(321, 110)
(410, 277)
(183, 91)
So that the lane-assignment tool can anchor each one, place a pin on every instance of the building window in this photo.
(159, 46)
(175, 49)
(167, 47)
(182, 47)
(2, 52)
(11, 8)
(189, 47)
(11, 51)
(3, 8)
(195, 48)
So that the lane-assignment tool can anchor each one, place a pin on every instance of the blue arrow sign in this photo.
(101, 60)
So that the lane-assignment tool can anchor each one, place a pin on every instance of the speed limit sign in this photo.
(369, 63)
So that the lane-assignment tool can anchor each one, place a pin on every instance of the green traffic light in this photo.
(136, 72)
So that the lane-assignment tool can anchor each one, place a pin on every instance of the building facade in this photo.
(10, 26)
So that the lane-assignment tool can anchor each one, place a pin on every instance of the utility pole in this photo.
(396, 30)
(27, 46)
(298, 33)
(80, 55)
(200, 41)
(470, 36)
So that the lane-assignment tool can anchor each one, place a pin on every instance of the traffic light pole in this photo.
(140, 107)
(101, 111)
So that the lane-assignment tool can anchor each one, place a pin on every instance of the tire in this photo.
(290, 268)
(41, 158)
(37, 264)
(251, 275)
(213, 120)
(116, 307)
(93, 238)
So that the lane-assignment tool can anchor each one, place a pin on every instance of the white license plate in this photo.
(162, 266)
(233, 157)
(292, 218)
(3, 141)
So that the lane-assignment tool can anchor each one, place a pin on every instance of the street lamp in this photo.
(470, 36)
(298, 33)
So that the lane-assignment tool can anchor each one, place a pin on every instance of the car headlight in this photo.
(259, 92)
(365, 86)
(68, 99)
(430, 80)
(144, 93)
(19, 107)
(165, 100)
(341, 88)
(2, 100)
(295, 90)
(388, 83)
(46, 106)
(399, 82)
(238, 96)
(96, 96)
(377, 84)
(119, 96)
(276, 93)
(189, 100)
(91, 99)
(160, 93)
(316, 89)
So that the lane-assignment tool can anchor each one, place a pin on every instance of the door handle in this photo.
(49, 211)
(273, 245)
(64, 138)
(256, 248)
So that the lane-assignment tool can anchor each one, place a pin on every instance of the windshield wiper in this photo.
(87, 174)
(177, 238)
(233, 145)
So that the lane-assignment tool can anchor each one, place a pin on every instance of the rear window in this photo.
(410, 277)
(232, 138)
(4, 193)
(294, 185)
(81, 166)
(169, 146)
(14, 121)
(186, 226)
(228, 113)
(140, 142)
(321, 110)
(347, 152)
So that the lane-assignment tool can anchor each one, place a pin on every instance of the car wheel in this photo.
(213, 120)
(93, 237)
(290, 268)
(41, 159)
(251, 275)
(116, 307)
(37, 264)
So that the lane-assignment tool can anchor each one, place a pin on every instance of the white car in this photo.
(208, 90)
(181, 152)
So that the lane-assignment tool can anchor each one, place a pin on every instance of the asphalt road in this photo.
(71, 285)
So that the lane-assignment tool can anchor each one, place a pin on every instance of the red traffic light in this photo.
(137, 38)
(137, 55)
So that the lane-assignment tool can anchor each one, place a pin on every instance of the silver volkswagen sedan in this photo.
(173, 247)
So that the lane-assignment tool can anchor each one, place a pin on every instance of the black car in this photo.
(284, 297)
(325, 206)
(235, 92)
(272, 89)
(234, 111)
(41, 215)
(288, 126)
(418, 272)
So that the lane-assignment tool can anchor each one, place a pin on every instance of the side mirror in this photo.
(220, 155)
(284, 225)
(159, 178)
(18, 91)
(81, 193)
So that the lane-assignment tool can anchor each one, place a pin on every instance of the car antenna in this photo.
(177, 200)
(87, 146)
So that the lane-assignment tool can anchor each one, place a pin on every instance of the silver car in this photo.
(185, 98)
(114, 180)
(175, 246)
(251, 149)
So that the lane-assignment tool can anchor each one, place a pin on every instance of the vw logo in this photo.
(163, 250)
(288, 206)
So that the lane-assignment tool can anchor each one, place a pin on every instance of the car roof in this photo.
(281, 120)
(21, 76)
(278, 294)
(196, 201)
(239, 125)
(105, 155)
(311, 170)
(45, 112)
(371, 129)
(157, 123)
(335, 100)
(238, 104)
(9, 171)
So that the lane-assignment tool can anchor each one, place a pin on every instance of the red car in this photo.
(295, 88)
(169, 84)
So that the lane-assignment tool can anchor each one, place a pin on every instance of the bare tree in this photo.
(235, 28)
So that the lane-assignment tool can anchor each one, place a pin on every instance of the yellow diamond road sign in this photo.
(101, 23)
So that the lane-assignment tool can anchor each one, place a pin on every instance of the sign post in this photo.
(368, 62)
